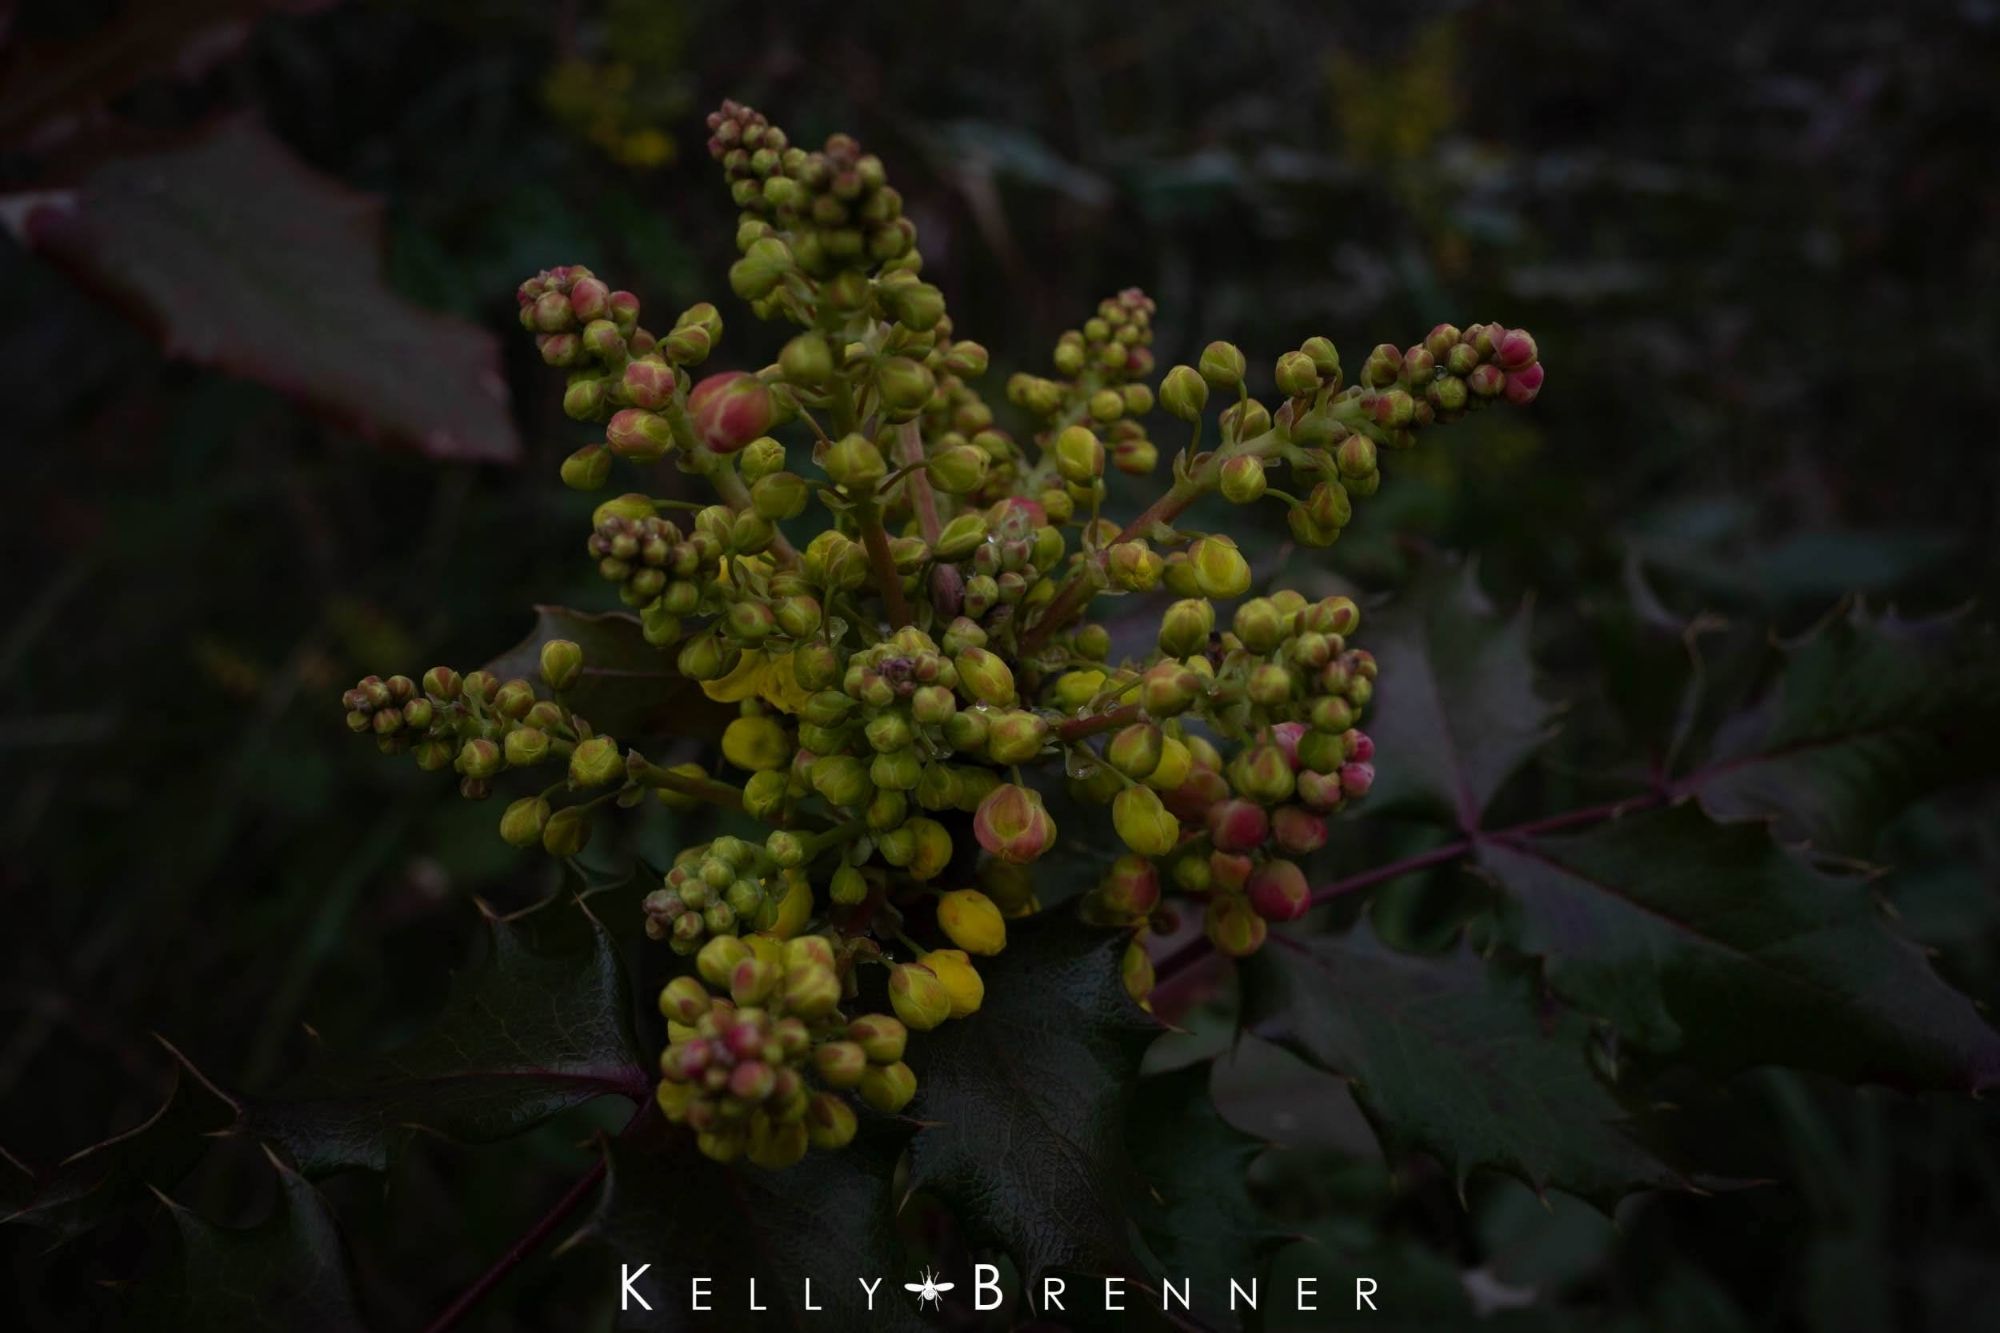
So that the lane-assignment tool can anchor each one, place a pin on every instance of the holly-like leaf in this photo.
(1869, 714)
(629, 688)
(83, 1189)
(1712, 939)
(1455, 710)
(240, 257)
(541, 1024)
(828, 1221)
(287, 1273)
(1193, 1207)
(1026, 1101)
(1453, 1057)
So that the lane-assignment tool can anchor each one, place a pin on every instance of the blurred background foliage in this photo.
(1759, 246)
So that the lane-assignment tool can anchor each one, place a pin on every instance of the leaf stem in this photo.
(530, 1241)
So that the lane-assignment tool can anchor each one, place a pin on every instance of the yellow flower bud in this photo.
(758, 744)
(960, 978)
(972, 921)
(888, 1088)
(918, 997)
(1146, 825)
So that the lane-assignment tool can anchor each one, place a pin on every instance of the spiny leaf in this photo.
(1452, 1057)
(287, 1273)
(629, 688)
(1193, 1207)
(1869, 714)
(1455, 710)
(541, 1024)
(1027, 1099)
(829, 1220)
(242, 258)
(79, 1192)
(1710, 939)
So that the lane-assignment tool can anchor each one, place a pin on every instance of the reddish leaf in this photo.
(242, 258)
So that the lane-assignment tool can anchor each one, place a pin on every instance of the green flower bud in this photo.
(1016, 738)
(896, 771)
(1185, 627)
(566, 832)
(966, 730)
(1325, 357)
(1356, 456)
(1222, 365)
(840, 1064)
(524, 747)
(588, 468)
(1220, 570)
(684, 1000)
(842, 779)
(1170, 689)
(888, 1088)
(958, 470)
(1243, 479)
(1184, 393)
(984, 677)
(1262, 773)
(1260, 625)
(513, 700)
(1233, 926)
(1297, 375)
(830, 1123)
(967, 360)
(522, 823)
(779, 496)
(918, 997)
(562, 664)
(596, 763)
(1143, 822)
(1079, 454)
(1135, 750)
(917, 306)
(904, 385)
(1245, 420)
(960, 537)
(854, 462)
(764, 794)
(807, 360)
(932, 705)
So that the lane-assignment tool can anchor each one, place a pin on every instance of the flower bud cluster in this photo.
(898, 605)
(761, 1059)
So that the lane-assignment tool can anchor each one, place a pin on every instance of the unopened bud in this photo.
(1011, 824)
(888, 1088)
(853, 461)
(972, 921)
(588, 468)
(1185, 627)
(1222, 365)
(1220, 570)
(1233, 926)
(566, 832)
(522, 823)
(918, 997)
(1278, 891)
(1297, 375)
(1243, 479)
(1079, 454)
(1184, 393)
(1143, 822)
(960, 979)
(596, 762)
(731, 409)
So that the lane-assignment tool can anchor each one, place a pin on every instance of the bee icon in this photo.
(929, 1291)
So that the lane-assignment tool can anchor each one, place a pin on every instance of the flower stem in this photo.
(910, 453)
(701, 789)
(868, 517)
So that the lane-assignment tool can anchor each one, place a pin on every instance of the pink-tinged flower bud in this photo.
(1360, 747)
(649, 384)
(967, 360)
(1286, 736)
(840, 1064)
(588, 468)
(1143, 822)
(1229, 871)
(684, 1000)
(918, 997)
(687, 345)
(1196, 794)
(622, 309)
(1135, 969)
(1233, 926)
(752, 1081)
(1278, 891)
(830, 1122)
(1169, 689)
(1016, 737)
(1297, 375)
(1184, 393)
(589, 299)
(1331, 615)
(1237, 825)
(1131, 889)
(731, 409)
(1514, 349)
(881, 1037)
(1356, 779)
(1012, 825)
(1523, 385)
(1320, 791)
(1486, 381)
(1440, 340)
(1297, 831)
(640, 435)
(552, 313)
(753, 981)
(1384, 364)
(479, 758)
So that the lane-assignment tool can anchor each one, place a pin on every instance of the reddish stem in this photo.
(531, 1241)
(877, 541)
(1078, 727)
(1075, 595)
(910, 454)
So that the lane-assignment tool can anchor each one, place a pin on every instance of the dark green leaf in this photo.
(1453, 1057)
(1026, 1100)
(829, 1220)
(1193, 1209)
(1869, 714)
(77, 1193)
(287, 1273)
(1709, 938)
(242, 258)
(629, 689)
(541, 1024)
(1455, 710)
